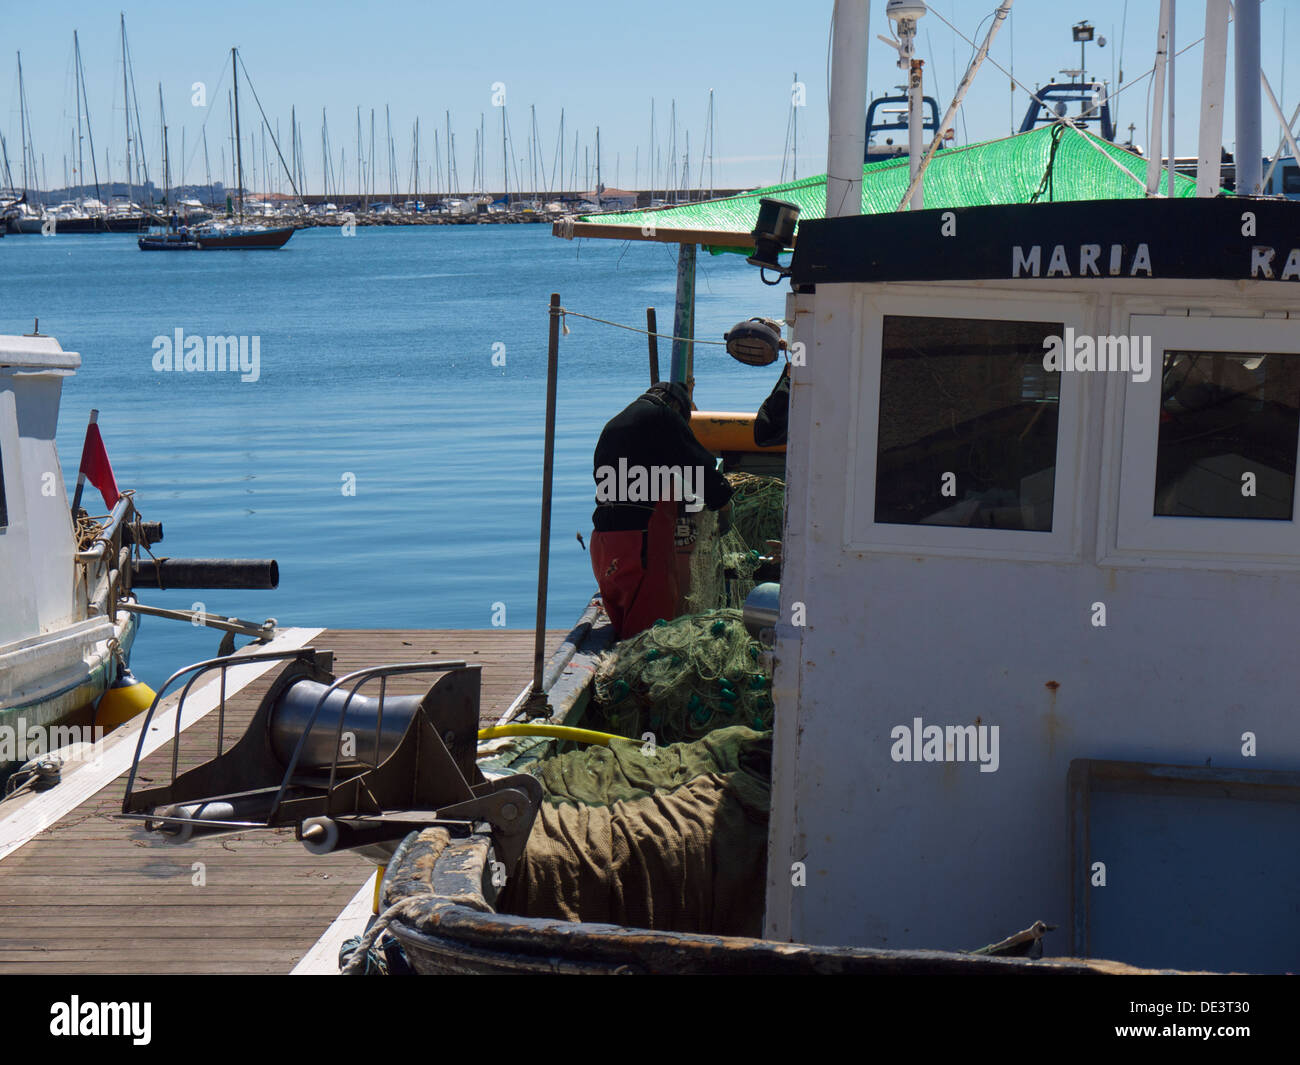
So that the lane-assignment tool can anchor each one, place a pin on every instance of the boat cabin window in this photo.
(968, 424)
(1229, 424)
(1210, 439)
(4, 507)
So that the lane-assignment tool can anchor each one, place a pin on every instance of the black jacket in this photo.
(648, 433)
(771, 423)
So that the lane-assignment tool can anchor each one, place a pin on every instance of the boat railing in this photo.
(104, 568)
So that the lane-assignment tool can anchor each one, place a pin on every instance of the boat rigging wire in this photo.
(1065, 118)
(631, 328)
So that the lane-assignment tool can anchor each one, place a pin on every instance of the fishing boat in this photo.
(65, 636)
(1039, 531)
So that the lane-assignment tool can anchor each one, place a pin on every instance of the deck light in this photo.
(773, 233)
(756, 342)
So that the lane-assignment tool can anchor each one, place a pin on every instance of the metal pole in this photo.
(1277, 110)
(915, 131)
(652, 328)
(1246, 67)
(684, 317)
(846, 148)
(1173, 56)
(537, 703)
(999, 16)
(1158, 101)
(1213, 72)
(1286, 138)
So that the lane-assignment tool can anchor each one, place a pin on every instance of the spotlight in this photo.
(773, 233)
(756, 342)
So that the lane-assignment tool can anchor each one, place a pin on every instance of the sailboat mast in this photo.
(207, 168)
(239, 158)
(126, 110)
(22, 118)
(505, 157)
(794, 147)
(76, 88)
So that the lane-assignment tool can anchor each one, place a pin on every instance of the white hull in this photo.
(44, 680)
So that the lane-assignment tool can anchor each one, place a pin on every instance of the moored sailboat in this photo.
(239, 232)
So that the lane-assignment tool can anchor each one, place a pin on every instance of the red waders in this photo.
(637, 572)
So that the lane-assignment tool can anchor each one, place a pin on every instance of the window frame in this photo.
(1138, 530)
(862, 532)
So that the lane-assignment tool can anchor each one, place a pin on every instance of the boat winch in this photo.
(347, 770)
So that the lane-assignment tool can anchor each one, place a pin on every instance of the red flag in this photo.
(95, 466)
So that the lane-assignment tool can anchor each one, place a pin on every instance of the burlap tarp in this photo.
(675, 840)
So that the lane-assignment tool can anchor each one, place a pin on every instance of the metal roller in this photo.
(182, 832)
(293, 710)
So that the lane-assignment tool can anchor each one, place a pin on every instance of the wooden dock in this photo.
(82, 892)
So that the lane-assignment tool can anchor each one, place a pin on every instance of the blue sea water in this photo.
(376, 361)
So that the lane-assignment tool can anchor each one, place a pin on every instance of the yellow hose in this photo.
(558, 732)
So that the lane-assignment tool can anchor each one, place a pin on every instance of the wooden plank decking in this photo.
(91, 894)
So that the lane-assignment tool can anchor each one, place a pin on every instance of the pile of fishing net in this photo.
(723, 564)
(681, 679)
(722, 567)
(757, 508)
(667, 838)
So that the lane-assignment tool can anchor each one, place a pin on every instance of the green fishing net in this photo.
(722, 565)
(757, 508)
(683, 678)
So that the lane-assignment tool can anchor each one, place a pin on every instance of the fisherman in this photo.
(632, 547)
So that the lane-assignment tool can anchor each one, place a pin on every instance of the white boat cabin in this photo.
(1041, 583)
(62, 637)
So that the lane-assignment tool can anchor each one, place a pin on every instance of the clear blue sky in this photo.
(601, 62)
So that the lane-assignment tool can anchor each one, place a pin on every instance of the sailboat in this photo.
(236, 232)
(171, 237)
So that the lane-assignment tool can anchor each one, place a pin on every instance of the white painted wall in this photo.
(1197, 650)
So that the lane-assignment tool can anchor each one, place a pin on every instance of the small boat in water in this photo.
(218, 235)
(180, 240)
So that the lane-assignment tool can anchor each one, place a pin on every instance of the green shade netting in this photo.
(1078, 164)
